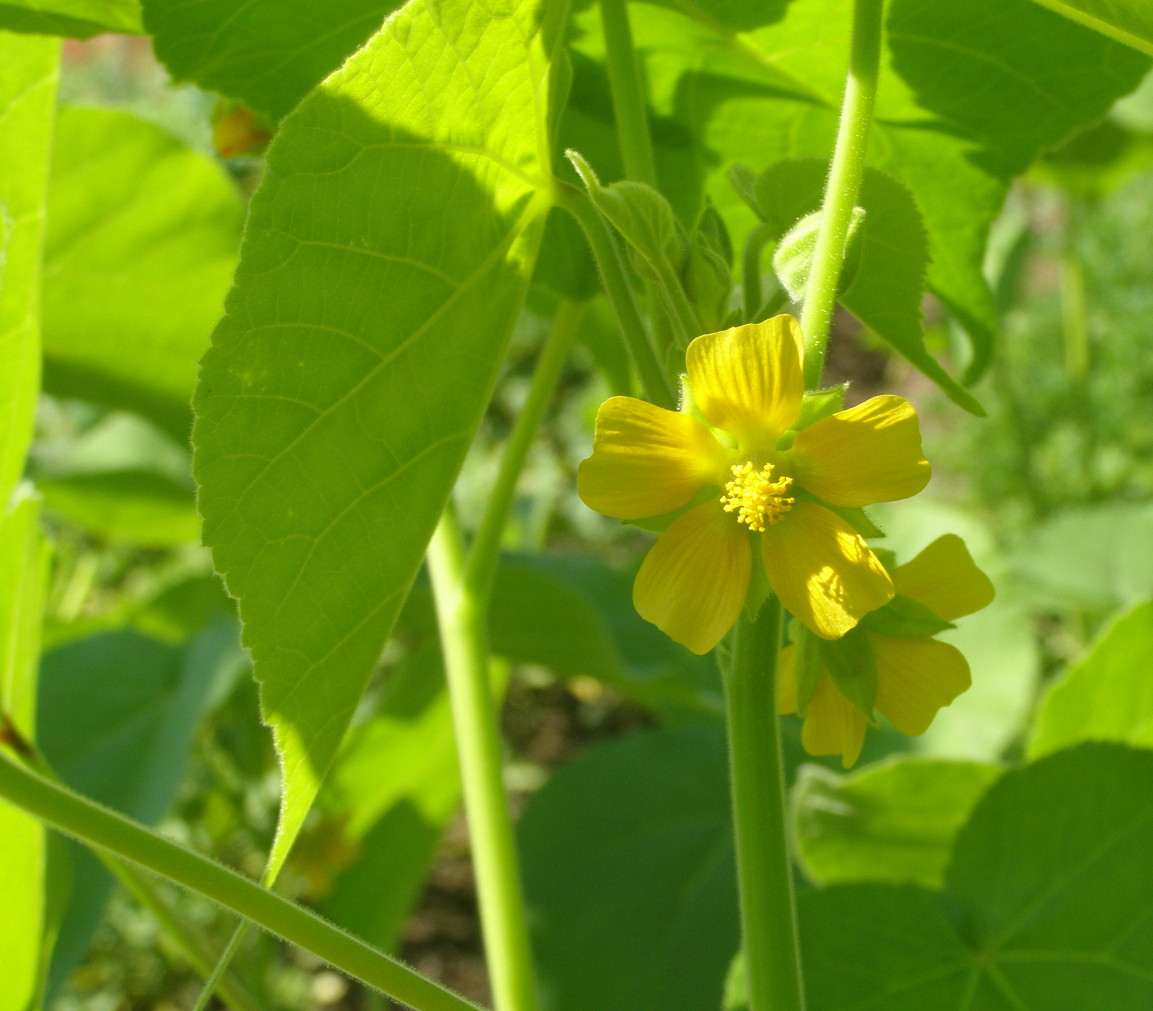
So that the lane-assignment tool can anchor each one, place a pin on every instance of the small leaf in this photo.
(75, 19)
(894, 821)
(1107, 695)
(851, 664)
(270, 53)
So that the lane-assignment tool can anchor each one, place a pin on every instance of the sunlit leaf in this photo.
(1107, 695)
(1023, 77)
(269, 53)
(1046, 904)
(386, 256)
(647, 820)
(892, 822)
(23, 853)
(77, 19)
(28, 69)
(1127, 21)
(142, 237)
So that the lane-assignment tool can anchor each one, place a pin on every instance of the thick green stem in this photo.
(462, 618)
(485, 548)
(101, 828)
(764, 871)
(620, 295)
(844, 183)
(629, 107)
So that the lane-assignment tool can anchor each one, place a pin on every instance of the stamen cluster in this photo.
(755, 497)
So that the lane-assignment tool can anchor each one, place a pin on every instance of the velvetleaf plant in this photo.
(473, 221)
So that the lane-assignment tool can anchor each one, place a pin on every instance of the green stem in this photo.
(485, 548)
(620, 295)
(764, 871)
(101, 828)
(844, 183)
(214, 979)
(681, 313)
(629, 107)
(462, 617)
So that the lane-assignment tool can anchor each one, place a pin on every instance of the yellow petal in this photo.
(945, 579)
(748, 380)
(693, 583)
(833, 725)
(823, 571)
(915, 677)
(787, 681)
(869, 453)
(646, 460)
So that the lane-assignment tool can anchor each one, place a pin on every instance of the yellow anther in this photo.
(755, 497)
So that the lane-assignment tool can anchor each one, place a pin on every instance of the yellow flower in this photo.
(915, 674)
(747, 382)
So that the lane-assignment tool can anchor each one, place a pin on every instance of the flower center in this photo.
(755, 497)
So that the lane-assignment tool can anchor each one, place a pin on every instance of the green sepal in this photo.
(644, 219)
(819, 405)
(886, 557)
(809, 668)
(851, 664)
(904, 618)
(759, 589)
(659, 524)
(744, 182)
(858, 519)
(794, 255)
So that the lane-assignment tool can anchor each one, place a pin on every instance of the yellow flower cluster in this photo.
(756, 481)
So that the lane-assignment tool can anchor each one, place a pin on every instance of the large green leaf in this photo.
(117, 716)
(386, 256)
(23, 854)
(1127, 21)
(894, 821)
(28, 68)
(270, 53)
(1048, 903)
(1106, 696)
(1022, 77)
(77, 19)
(142, 237)
(630, 878)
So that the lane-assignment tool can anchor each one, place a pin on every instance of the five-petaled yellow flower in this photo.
(748, 382)
(915, 676)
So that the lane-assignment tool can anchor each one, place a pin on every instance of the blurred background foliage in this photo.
(148, 705)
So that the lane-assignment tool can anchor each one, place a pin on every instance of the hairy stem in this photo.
(844, 183)
(620, 295)
(629, 107)
(100, 828)
(464, 642)
(764, 871)
(485, 548)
